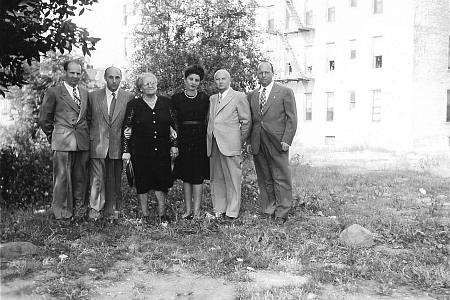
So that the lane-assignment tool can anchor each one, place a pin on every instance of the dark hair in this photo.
(194, 69)
(268, 62)
(67, 62)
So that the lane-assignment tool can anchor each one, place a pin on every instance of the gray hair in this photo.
(141, 77)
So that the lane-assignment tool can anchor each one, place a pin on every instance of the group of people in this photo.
(190, 136)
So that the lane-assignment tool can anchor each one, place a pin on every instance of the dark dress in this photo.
(150, 143)
(192, 163)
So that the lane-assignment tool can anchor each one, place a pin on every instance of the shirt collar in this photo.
(109, 92)
(224, 94)
(268, 88)
(69, 87)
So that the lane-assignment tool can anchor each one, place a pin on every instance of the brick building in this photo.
(367, 74)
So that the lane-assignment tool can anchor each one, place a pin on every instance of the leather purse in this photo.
(130, 173)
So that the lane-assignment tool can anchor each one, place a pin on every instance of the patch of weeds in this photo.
(65, 288)
(275, 293)
(20, 269)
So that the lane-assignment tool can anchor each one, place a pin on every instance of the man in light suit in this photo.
(63, 119)
(106, 111)
(274, 117)
(228, 127)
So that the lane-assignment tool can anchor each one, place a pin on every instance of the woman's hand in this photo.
(127, 132)
(173, 152)
(126, 156)
(173, 133)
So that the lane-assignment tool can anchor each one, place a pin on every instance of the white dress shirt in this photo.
(109, 97)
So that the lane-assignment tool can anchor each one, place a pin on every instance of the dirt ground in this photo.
(129, 281)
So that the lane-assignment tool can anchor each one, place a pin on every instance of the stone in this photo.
(357, 236)
(17, 249)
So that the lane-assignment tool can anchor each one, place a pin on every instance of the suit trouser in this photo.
(274, 179)
(70, 181)
(226, 173)
(105, 182)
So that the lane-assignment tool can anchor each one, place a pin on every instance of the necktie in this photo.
(262, 99)
(76, 97)
(112, 106)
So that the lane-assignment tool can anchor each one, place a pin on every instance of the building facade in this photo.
(367, 74)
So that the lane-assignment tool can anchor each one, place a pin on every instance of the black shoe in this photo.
(265, 216)
(280, 221)
(164, 219)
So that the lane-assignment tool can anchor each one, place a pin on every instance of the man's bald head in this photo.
(222, 78)
(113, 77)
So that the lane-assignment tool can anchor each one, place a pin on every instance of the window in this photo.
(352, 49)
(308, 59)
(377, 52)
(331, 14)
(309, 18)
(448, 105)
(352, 97)
(330, 57)
(125, 46)
(448, 53)
(289, 69)
(308, 107)
(330, 107)
(125, 15)
(376, 105)
(329, 140)
(377, 6)
(353, 3)
(271, 26)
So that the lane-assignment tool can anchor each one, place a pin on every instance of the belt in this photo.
(192, 123)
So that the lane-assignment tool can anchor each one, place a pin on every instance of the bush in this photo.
(25, 172)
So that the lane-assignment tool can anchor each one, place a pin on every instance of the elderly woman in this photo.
(192, 165)
(149, 145)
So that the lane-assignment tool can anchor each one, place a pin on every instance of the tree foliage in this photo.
(215, 34)
(31, 28)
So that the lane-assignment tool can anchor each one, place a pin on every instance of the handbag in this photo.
(130, 173)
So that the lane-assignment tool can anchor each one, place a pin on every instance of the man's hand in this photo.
(173, 152)
(284, 146)
(127, 132)
(126, 156)
(249, 149)
(173, 133)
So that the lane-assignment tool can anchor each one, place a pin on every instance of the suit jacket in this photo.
(229, 121)
(278, 118)
(63, 121)
(105, 135)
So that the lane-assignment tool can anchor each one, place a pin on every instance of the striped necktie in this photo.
(76, 97)
(262, 99)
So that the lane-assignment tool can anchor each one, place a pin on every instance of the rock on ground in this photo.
(17, 249)
(357, 236)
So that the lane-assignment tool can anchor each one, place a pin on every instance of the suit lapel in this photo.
(66, 97)
(102, 104)
(255, 102)
(271, 99)
(225, 100)
(83, 99)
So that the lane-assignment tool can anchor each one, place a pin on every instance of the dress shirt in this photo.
(268, 90)
(69, 88)
(109, 97)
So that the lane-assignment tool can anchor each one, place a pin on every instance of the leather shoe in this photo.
(280, 221)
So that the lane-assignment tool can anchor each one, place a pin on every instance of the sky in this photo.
(105, 21)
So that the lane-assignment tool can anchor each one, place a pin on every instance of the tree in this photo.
(174, 34)
(31, 28)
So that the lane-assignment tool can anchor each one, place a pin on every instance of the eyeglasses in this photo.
(154, 83)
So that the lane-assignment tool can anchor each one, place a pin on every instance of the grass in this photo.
(389, 203)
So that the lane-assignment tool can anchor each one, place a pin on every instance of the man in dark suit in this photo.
(106, 111)
(228, 128)
(274, 118)
(63, 119)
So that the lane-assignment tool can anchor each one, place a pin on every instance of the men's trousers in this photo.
(105, 182)
(70, 182)
(274, 179)
(226, 173)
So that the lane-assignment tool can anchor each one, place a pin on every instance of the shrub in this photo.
(25, 172)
